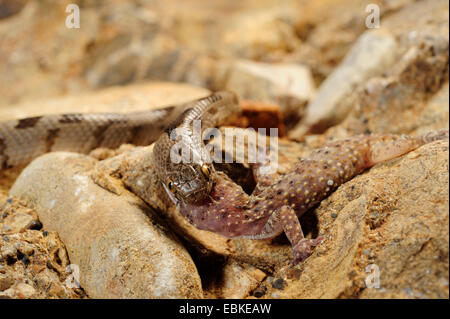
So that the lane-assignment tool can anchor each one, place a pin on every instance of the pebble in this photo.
(278, 284)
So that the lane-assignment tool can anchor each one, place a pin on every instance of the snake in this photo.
(24, 139)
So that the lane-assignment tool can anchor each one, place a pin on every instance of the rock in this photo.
(258, 115)
(20, 291)
(413, 108)
(328, 30)
(396, 67)
(109, 236)
(278, 284)
(10, 8)
(373, 51)
(121, 43)
(237, 281)
(263, 34)
(395, 216)
(391, 220)
(5, 282)
(8, 251)
(288, 85)
(24, 290)
(204, 71)
(34, 259)
(436, 111)
(17, 222)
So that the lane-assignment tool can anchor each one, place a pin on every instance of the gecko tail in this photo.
(384, 148)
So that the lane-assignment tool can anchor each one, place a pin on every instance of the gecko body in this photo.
(276, 207)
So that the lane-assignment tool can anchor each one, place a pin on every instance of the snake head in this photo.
(192, 183)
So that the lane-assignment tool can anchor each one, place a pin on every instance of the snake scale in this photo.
(23, 140)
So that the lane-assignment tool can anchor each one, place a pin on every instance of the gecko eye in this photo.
(206, 170)
(170, 185)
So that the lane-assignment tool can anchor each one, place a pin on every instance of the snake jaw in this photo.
(180, 155)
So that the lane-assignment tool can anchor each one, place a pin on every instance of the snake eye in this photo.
(206, 170)
(170, 185)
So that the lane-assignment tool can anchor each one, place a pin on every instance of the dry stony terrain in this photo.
(75, 226)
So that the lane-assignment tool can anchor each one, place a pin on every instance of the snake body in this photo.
(23, 140)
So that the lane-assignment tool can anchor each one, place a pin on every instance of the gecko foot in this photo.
(302, 249)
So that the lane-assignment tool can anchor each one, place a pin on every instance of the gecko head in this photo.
(191, 183)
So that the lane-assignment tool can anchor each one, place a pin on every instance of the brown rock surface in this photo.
(33, 263)
(122, 42)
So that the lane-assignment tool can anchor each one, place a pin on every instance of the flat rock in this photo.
(117, 99)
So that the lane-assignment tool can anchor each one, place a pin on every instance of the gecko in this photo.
(276, 206)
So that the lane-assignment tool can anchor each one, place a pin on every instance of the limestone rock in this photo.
(262, 34)
(407, 103)
(121, 248)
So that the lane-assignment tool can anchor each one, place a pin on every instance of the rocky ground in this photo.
(313, 64)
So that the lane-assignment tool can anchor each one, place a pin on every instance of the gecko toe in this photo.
(302, 249)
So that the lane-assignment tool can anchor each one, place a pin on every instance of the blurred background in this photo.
(316, 60)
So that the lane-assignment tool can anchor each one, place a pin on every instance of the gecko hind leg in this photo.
(301, 246)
